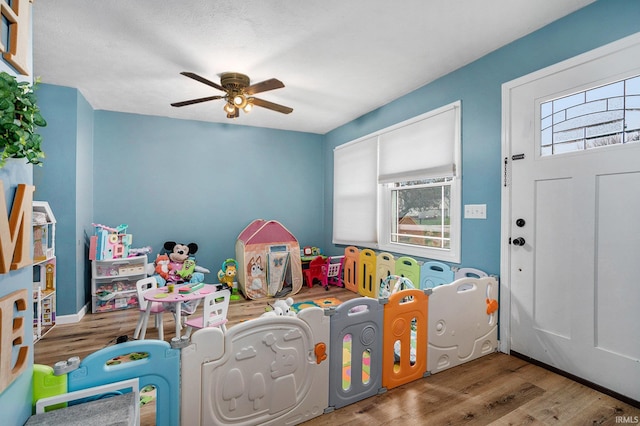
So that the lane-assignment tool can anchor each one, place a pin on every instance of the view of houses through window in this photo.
(421, 213)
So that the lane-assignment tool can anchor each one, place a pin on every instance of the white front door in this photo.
(571, 273)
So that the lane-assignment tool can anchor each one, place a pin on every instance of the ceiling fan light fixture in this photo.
(240, 100)
(238, 93)
(230, 109)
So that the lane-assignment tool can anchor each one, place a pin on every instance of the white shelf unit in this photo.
(44, 269)
(113, 283)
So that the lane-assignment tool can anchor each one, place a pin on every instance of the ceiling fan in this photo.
(238, 93)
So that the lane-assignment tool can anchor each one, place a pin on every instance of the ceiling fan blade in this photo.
(196, 101)
(270, 105)
(202, 80)
(264, 86)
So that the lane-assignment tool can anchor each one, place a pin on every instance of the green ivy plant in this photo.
(19, 120)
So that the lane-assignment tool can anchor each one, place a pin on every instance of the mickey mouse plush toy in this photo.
(182, 266)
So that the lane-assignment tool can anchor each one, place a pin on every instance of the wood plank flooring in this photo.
(497, 389)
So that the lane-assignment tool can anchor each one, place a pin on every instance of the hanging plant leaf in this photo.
(19, 120)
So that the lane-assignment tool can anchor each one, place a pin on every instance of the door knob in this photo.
(519, 241)
(520, 223)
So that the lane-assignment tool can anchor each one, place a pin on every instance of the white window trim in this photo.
(383, 214)
(447, 255)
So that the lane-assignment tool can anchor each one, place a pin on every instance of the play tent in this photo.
(268, 258)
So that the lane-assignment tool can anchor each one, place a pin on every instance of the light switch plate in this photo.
(475, 211)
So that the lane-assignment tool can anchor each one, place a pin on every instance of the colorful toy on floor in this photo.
(227, 275)
(393, 284)
(317, 270)
(281, 307)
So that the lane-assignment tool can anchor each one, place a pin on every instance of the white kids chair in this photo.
(156, 308)
(216, 306)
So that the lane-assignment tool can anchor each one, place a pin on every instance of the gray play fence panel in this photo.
(361, 319)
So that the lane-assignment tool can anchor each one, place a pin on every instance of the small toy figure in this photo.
(228, 272)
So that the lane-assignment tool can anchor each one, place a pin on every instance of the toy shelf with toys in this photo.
(113, 283)
(115, 269)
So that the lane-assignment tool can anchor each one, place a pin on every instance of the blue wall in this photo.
(190, 181)
(478, 85)
(56, 183)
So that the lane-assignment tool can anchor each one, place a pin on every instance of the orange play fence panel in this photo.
(404, 347)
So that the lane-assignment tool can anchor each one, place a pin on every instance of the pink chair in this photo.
(216, 306)
(156, 308)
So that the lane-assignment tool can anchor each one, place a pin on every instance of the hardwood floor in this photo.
(496, 389)
(96, 331)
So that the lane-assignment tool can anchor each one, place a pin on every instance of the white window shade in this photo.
(421, 150)
(355, 193)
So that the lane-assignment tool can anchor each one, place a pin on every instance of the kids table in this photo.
(162, 295)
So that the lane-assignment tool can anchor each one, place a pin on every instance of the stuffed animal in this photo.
(178, 253)
(162, 265)
(273, 312)
(285, 306)
(188, 268)
(280, 308)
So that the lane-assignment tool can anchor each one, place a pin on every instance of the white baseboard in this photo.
(71, 319)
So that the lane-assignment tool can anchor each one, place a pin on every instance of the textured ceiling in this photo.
(338, 59)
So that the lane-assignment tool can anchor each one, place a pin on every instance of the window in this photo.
(420, 213)
(605, 115)
(398, 190)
